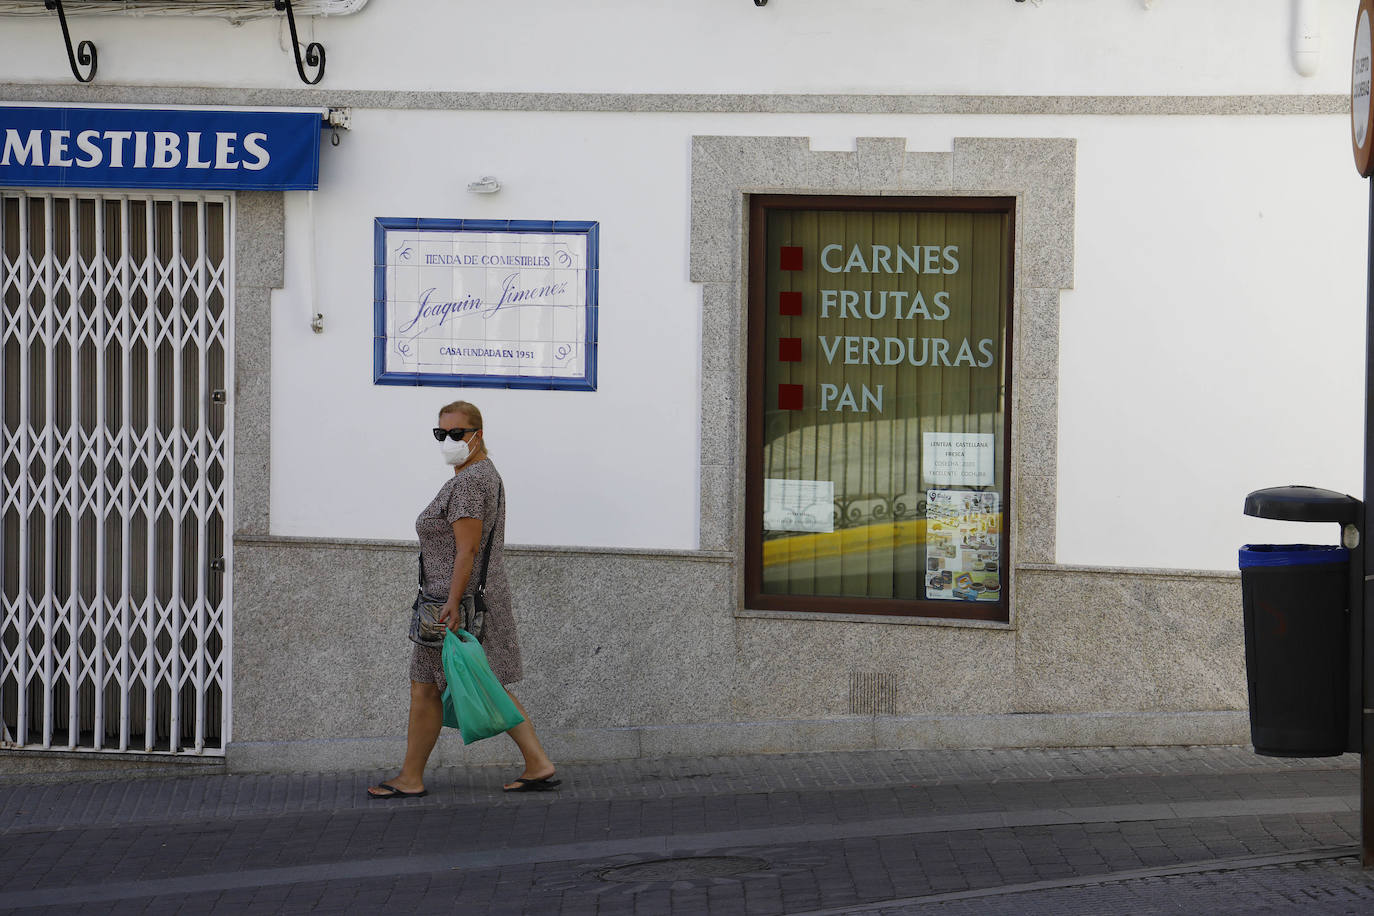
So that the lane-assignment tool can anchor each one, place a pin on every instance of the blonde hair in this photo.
(468, 409)
(464, 407)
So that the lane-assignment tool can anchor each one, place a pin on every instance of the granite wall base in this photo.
(647, 655)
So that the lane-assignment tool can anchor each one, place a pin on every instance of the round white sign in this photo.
(1359, 80)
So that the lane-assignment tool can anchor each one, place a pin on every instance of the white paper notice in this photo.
(798, 505)
(958, 459)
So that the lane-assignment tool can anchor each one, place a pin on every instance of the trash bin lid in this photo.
(1302, 504)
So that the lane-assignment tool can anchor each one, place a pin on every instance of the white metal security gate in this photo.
(115, 490)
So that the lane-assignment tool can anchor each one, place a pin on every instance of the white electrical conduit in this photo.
(1307, 35)
(311, 307)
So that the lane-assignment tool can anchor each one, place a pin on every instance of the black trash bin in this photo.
(1296, 606)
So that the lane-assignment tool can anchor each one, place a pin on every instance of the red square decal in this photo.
(790, 257)
(789, 303)
(789, 349)
(790, 397)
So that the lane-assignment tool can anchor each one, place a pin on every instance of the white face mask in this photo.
(455, 453)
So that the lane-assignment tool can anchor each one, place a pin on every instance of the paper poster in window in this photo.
(963, 531)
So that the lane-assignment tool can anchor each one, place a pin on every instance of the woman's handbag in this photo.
(475, 703)
(426, 628)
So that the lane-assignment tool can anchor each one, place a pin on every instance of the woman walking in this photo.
(453, 529)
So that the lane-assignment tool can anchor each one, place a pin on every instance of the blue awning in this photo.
(159, 148)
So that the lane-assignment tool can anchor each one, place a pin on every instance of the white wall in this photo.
(1213, 342)
(614, 467)
(1092, 47)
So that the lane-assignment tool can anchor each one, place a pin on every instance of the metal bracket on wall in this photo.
(314, 52)
(84, 56)
(335, 120)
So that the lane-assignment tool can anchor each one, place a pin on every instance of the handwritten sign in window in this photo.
(485, 303)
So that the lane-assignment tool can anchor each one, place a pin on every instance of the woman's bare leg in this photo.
(426, 719)
(537, 762)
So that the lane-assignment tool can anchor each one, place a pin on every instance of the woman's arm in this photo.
(467, 540)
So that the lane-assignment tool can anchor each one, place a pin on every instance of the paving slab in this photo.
(878, 831)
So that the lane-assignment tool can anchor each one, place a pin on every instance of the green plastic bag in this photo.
(475, 703)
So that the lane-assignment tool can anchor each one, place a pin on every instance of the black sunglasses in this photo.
(454, 434)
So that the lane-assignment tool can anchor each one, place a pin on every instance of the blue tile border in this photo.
(588, 381)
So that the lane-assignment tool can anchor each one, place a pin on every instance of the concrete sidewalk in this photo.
(1147, 830)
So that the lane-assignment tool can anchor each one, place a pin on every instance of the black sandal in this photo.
(522, 784)
(393, 792)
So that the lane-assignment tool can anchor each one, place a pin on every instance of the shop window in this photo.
(879, 381)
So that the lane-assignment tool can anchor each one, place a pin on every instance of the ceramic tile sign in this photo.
(958, 459)
(963, 534)
(485, 303)
(798, 505)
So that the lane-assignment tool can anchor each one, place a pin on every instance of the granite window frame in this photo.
(1039, 172)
